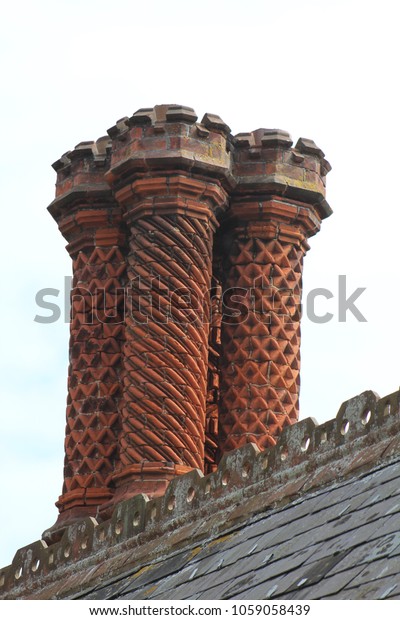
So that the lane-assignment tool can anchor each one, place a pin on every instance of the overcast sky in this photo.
(326, 70)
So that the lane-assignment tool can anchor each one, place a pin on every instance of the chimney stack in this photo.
(277, 203)
(187, 246)
(166, 172)
(91, 221)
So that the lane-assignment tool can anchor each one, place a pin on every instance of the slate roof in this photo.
(316, 517)
(344, 543)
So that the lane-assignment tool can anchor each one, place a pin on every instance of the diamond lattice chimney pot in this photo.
(91, 220)
(166, 219)
(277, 203)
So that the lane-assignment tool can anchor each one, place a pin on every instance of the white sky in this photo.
(326, 70)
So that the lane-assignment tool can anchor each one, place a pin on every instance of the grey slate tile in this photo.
(362, 534)
(343, 541)
(141, 594)
(174, 581)
(107, 592)
(232, 585)
(377, 570)
(370, 551)
(379, 589)
(158, 571)
(328, 587)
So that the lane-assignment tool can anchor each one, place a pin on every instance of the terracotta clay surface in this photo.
(91, 221)
(275, 206)
(261, 347)
(187, 245)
